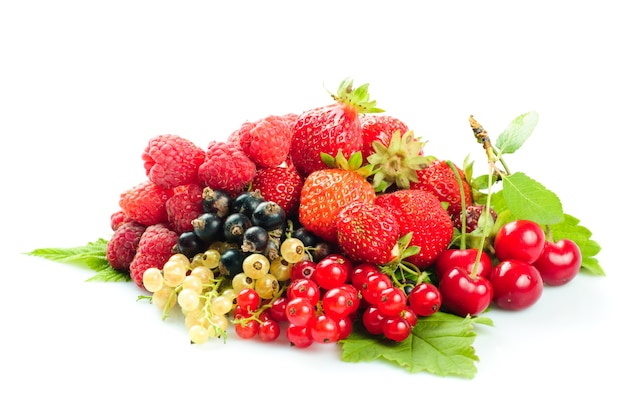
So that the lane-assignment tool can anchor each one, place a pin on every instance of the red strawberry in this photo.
(325, 193)
(420, 213)
(367, 233)
(330, 128)
(439, 179)
(266, 141)
(226, 167)
(376, 127)
(279, 184)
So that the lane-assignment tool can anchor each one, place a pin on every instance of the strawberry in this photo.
(421, 214)
(325, 192)
(440, 179)
(376, 127)
(367, 233)
(330, 128)
(280, 184)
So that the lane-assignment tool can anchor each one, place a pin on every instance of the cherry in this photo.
(516, 285)
(463, 258)
(425, 299)
(559, 262)
(521, 240)
(463, 295)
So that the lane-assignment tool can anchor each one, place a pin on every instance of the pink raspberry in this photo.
(226, 167)
(154, 249)
(266, 141)
(122, 247)
(172, 161)
(117, 219)
(184, 206)
(145, 203)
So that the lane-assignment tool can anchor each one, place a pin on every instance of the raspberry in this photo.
(154, 249)
(281, 185)
(226, 167)
(172, 161)
(184, 206)
(122, 247)
(118, 218)
(145, 203)
(266, 141)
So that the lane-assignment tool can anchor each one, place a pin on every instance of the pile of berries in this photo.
(311, 222)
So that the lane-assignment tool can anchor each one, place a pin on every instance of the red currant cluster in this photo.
(524, 260)
(323, 299)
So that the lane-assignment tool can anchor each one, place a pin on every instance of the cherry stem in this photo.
(463, 208)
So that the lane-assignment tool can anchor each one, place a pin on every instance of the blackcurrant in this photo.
(308, 239)
(246, 202)
(208, 226)
(216, 201)
(231, 262)
(255, 239)
(189, 244)
(234, 227)
(269, 215)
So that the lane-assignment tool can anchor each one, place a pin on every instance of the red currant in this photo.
(248, 299)
(425, 299)
(391, 301)
(360, 273)
(299, 336)
(338, 302)
(374, 284)
(332, 271)
(277, 309)
(373, 320)
(299, 311)
(269, 330)
(396, 328)
(305, 288)
(409, 315)
(247, 329)
(324, 329)
(302, 270)
(345, 327)
(521, 240)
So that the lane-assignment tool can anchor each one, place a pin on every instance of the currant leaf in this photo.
(440, 344)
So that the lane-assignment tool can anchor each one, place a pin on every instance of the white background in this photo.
(84, 85)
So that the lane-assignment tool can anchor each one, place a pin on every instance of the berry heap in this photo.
(307, 224)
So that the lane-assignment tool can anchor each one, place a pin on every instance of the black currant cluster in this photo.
(241, 225)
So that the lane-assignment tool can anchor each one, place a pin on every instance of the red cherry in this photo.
(463, 295)
(463, 258)
(521, 240)
(425, 299)
(516, 285)
(559, 262)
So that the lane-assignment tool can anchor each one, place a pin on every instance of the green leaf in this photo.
(571, 229)
(528, 199)
(440, 344)
(91, 256)
(516, 134)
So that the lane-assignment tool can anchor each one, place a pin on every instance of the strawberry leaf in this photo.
(517, 132)
(91, 256)
(440, 344)
(528, 199)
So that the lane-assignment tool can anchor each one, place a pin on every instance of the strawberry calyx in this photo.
(397, 164)
(358, 99)
(354, 163)
(399, 269)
